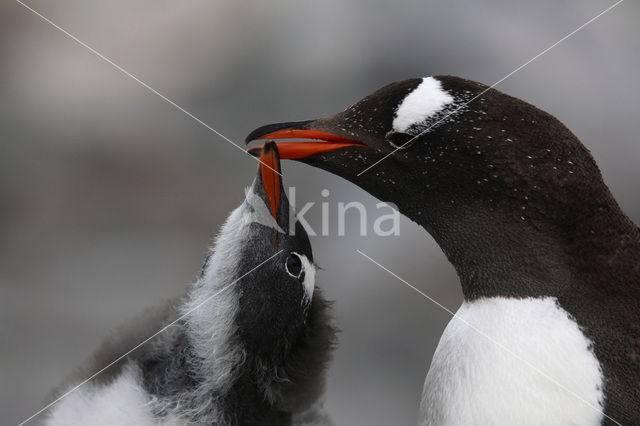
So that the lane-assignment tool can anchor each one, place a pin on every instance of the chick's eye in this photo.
(294, 265)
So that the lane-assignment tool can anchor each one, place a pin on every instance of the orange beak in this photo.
(297, 150)
(269, 169)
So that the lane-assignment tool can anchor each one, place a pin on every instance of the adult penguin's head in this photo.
(428, 144)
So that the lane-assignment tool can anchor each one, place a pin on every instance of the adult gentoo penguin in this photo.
(252, 340)
(548, 262)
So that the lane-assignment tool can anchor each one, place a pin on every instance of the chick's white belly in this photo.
(120, 402)
(513, 361)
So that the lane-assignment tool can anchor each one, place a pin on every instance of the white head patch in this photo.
(424, 101)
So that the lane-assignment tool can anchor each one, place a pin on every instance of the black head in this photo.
(257, 334)
(264, 255)
(485, 173)
(437, 137)
(275, 299)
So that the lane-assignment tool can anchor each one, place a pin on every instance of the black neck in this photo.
(499, 250)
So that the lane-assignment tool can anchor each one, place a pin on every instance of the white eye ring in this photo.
(309, 271)
(294, 265)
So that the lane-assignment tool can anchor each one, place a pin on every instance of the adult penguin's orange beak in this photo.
(322, 141)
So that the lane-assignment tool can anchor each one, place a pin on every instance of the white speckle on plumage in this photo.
(423, 102)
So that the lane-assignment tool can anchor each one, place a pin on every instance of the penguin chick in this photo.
(251, 339)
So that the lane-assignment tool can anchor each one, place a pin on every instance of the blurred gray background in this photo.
(109, 196)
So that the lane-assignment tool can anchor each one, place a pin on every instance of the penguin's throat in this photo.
(498, 256)
(500, 252)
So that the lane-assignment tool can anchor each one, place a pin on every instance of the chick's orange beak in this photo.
(271, 175)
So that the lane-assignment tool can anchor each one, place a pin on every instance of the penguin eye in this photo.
(293, 265)
(399, 140)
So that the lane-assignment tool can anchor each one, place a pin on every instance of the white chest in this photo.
(513, 361)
